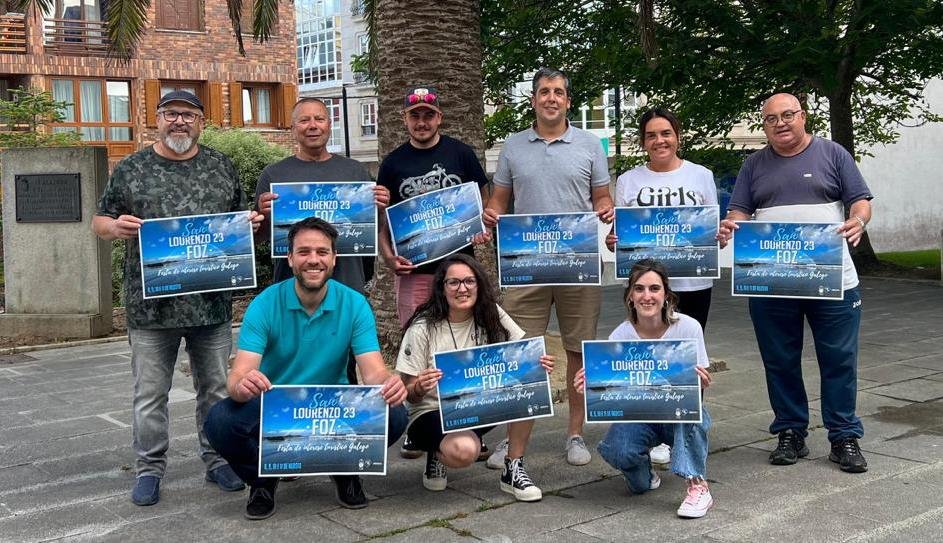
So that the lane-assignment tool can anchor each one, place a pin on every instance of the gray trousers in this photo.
(153, 358)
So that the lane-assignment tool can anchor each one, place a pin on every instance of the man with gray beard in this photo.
(174, 177)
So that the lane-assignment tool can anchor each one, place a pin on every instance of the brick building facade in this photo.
(188, 44)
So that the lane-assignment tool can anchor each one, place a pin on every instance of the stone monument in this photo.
(57, 272)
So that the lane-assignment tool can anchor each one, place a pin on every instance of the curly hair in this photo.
(668, 313)
(485, 312)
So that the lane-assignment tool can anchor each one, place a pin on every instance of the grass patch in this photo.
(929, 258)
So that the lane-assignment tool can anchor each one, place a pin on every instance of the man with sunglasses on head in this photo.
(174, 177)
(799, 177)
(428, 161)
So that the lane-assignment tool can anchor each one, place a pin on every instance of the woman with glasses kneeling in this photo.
(651, 305)
(460, 313)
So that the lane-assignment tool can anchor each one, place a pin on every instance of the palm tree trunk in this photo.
(438, 44)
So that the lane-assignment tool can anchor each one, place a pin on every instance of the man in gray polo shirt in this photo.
(553, 167)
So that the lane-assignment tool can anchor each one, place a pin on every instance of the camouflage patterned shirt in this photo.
(150, 186)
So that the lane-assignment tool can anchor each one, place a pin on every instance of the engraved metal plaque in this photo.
(53, 197)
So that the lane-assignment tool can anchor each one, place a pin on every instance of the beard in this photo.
(310, 286)
(178, 144)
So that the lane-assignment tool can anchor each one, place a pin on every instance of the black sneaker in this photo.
(847, 454)
(409, 449)
(261, 504)
(790, 449)
(514, 480)
(483, 453)
(350, 491)
(435, 477)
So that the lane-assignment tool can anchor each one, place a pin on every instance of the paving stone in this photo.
(892, 498)
(388, 514)
(924, 527)
(425, 533)
(893, 373)
(38, 433)
(57, 523)
(809, 524)
(915, 390)
(731, 433)
(566, 535)
(521, 521)
(932, 362)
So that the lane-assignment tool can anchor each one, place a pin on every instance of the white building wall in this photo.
(905, 180)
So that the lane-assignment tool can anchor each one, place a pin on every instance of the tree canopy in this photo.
(860, 65)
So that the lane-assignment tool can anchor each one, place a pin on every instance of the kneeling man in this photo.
(299, 332)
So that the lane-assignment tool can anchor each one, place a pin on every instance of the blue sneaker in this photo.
(226, 478)
(146, 490)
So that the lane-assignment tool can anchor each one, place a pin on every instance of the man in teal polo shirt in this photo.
(299, 332)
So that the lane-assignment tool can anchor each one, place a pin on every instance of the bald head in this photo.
(781, 101)
(308, 105)
(784, 124)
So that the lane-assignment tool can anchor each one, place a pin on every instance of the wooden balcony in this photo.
(13, 33)
(76, 37)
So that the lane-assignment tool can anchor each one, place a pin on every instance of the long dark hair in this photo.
(640, 268)
(485, 312)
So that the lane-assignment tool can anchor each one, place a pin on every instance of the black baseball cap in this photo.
(181, 96)
(418, 97)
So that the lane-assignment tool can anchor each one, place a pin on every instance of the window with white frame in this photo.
(318, 38)
(336, 143)
(363, 43)
(368, 119)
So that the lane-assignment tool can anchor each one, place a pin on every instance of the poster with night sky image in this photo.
(323, 430)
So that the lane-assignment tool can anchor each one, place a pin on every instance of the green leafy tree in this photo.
(861, 66)
(22, 116)
(127, 20)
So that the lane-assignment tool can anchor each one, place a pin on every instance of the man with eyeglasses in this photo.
(174, 177)
(799, 177)
(428, 161)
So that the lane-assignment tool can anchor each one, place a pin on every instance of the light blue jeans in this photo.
(153, 359)
(625, 447)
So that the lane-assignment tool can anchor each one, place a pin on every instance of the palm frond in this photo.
(127, 20)
(23, 6)
(235, 17)
(264, 19)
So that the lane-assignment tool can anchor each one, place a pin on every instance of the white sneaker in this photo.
(435, 478)
(496, 460)
(660, 454)
(576, 452)
(655, 481)
(697, 502)
(514, 480)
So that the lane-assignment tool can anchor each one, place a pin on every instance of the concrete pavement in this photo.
(66, 463)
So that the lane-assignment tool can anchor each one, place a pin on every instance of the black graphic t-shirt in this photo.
(408, 172)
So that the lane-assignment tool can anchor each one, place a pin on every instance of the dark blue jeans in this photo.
(233, 430)
(778, 324)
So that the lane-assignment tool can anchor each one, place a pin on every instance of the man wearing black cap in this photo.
(427, 162)
(174, 177)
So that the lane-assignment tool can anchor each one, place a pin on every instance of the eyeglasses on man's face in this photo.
(454, 283)
(188, 117)
(786, 116)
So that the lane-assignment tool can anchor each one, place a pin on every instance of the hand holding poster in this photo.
(494, 384)
(551, 249)
(196, 253)
(434, 225)
(642, 381)
(349, 206)
(788, 260)
(681, 238)
(323, 430)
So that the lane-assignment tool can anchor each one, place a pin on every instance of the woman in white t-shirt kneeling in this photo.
(652, 315)
(461, 313)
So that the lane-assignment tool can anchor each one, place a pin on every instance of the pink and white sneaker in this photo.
(698, 500)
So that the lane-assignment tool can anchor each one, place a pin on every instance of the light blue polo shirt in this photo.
(300, 350)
